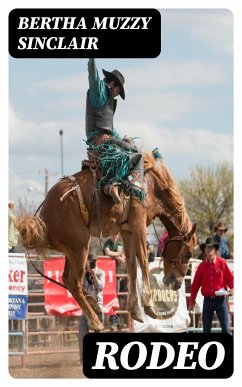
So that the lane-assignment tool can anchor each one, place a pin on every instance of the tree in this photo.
(208, 194)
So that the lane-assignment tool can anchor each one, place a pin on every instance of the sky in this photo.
(180, 102)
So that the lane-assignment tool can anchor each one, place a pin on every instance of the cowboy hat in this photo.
(118, 78)
(209, 242)
(220, 226)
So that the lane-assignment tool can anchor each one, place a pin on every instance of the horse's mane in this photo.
(179, 216)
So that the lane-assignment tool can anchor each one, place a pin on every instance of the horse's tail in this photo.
(33, 233)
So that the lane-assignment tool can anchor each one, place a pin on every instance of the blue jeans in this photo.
(114, 319)
(83, 330)
(218, 305)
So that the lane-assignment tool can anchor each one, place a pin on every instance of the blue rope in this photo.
(115, 165)
(112, 161)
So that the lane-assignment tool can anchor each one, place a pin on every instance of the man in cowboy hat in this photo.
(219, 238)
(214, 278)
(118, 157)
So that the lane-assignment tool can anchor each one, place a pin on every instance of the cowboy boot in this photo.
(134, 183)
(111, 189)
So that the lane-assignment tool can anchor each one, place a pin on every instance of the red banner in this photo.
(59, 301)
(110, 299)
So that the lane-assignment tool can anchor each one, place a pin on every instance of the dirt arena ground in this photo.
(57, 366)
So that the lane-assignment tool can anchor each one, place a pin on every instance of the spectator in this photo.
(94, 281)
(219, 238)
(113, 248)
(162, 241)
(215, 278)
(150, 252)
(202, 255)
(13, 233)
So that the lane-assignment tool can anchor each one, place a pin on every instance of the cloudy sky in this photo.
(181, 102)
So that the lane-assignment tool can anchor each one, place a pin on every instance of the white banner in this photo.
(170, 304)
(199, 299)
(17, 287)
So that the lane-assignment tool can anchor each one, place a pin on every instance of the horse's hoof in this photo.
(150, 311)
(96, 327)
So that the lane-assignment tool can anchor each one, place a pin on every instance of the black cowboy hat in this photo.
(118, 78)
(209, 242)
(220, 226)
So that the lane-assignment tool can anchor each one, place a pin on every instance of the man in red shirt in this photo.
(214, 278)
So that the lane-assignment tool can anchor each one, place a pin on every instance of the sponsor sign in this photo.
(17, 287)
(110, 299)
(170, 305)
(59, 301)
(199, 299)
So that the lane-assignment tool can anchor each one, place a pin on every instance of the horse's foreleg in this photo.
(132, 300)
(77, 268)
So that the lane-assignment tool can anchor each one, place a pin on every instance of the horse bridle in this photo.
(183, 239)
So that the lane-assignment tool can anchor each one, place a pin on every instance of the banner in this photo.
(59, 301)
(199, 299)
(170, 305)
(110, 299)
(17, 287)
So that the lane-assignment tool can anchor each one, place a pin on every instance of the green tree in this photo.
(208, 195)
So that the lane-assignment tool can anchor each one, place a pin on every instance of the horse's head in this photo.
(176, 253)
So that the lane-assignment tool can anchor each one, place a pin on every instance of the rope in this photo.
(45, 276)
(98, 206)
(39, 207)
(156, 232)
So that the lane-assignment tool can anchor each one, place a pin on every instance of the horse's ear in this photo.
(192, 232)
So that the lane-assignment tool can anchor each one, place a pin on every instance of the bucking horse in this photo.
(72, 213)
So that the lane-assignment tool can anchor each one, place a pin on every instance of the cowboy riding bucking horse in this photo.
(119, 162)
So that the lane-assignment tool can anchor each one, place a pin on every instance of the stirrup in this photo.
(112, 190)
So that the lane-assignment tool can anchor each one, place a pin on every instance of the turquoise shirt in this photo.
(98, 91)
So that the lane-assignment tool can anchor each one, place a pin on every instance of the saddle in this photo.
(92, 166)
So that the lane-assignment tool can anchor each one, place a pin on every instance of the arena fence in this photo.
(44, 334)
(41, 333)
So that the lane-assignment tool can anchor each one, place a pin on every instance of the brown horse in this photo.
(61, 226)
